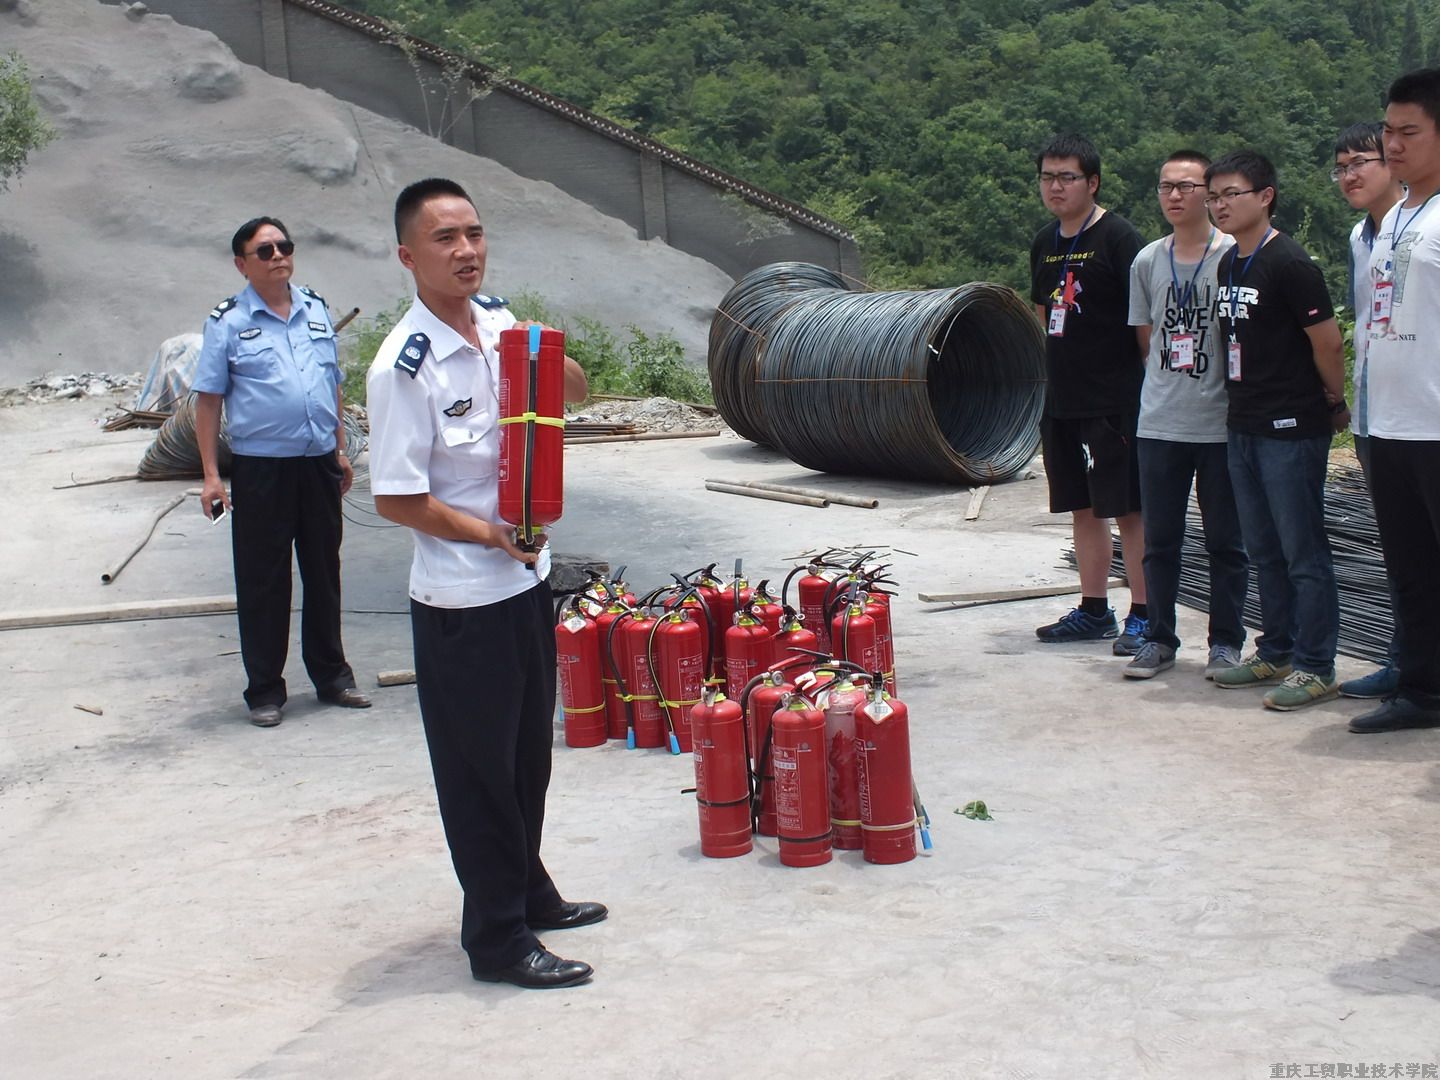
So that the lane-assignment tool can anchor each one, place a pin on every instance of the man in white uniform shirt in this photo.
(480, 609)
(1403, 376)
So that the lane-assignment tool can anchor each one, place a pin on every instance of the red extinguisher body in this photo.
(616, 721)
(802, 798)
(582, 694)
(877, 606)
(679, 658)
(812, 588)
(844, 779)
(634, 664)
(853, 636)
(760, 709)
(887, 804)
(795, 636)
(722, 779)
(532, 435)
(724, 608)
(749, 650)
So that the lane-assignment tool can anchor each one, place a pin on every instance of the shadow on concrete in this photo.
(429, 965)
(22, 286)
(1414, 969)
(1335, 739)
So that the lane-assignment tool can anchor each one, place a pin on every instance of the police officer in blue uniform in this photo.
(269, 356)
(479, 605)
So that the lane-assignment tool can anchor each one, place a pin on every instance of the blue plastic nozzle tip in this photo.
(534, 339)
(925, 839)
(674, 744)
(630, 740)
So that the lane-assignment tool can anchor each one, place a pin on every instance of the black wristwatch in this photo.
(1339, 407)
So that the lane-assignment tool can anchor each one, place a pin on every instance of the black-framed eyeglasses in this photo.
(266, 251)
(1184, 187)
(1064, 179)
(1225, 196)
(1351, 168)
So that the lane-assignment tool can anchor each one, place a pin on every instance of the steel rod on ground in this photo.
(760, 493)
(130, 612)
(107, 576)
(1004, 596)
(643, 437)
(814, 493)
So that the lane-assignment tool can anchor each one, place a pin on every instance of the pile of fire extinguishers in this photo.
(790, 711)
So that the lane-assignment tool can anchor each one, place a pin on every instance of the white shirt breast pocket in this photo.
(472, 449)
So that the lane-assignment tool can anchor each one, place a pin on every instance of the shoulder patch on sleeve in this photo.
(313, 295)
(413, 354)
(222, 307)
(490, 302)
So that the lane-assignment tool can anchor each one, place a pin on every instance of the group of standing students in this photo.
(1212, 358)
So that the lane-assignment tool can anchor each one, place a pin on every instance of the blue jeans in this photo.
(1167, 470)
(1280, 493)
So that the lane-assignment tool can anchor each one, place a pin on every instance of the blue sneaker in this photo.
(1079, 625)
(1378, 684)
(1132, 637)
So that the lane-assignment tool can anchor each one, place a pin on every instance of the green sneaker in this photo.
(1302, 688)
(1252, 671)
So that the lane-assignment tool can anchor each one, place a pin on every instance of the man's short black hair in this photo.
(409, 201)
(1361, 139)
(1076, 146)
(1189, 155)
(1254, 166)
(246, 233)
(1421, 88)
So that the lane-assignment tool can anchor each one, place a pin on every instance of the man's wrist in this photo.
(1339, 407)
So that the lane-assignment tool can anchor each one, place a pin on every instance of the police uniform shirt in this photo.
(279, 376)
(436, 431)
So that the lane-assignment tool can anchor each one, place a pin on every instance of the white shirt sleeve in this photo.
(402, 432)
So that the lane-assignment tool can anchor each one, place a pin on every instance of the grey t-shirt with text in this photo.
(1180, 406)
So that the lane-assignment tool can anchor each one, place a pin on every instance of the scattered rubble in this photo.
(650, 414)
(58, 387)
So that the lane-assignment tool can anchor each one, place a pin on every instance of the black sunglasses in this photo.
(265, 252)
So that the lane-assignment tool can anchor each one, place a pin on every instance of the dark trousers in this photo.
(1392, 654)
(486, 679)
(1405, 485)
(1280, 493)
(1167, 470)
(280, 504)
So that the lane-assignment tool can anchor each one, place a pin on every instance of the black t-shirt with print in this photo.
(1268, 307)
(1095, 369)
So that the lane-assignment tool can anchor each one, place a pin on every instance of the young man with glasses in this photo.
(1403, 366)
(1367, 184)
(1080, 284)
(1181, 433)
(1285, 380)
(269, 356)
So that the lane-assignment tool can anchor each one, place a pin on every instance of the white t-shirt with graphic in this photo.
(1402, 358)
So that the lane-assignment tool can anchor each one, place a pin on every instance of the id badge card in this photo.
(1233, 366)
(1182, 352)
(1381, 300)
(1057, 319)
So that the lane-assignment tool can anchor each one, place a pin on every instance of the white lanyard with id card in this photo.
(1182, 345)
(1382, 296)
(1232, 355)
(1060, 306)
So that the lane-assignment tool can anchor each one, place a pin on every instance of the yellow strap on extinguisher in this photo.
(890, 828)
(638, 697)
(582, 712)
(678, 704)
(530, 417)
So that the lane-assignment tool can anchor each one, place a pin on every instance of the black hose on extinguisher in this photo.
(944, 385)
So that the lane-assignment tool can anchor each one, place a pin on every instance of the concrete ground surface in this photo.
(1177, 883)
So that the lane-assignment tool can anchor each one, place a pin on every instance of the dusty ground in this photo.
(1176, 883)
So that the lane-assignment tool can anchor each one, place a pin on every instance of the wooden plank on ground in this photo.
(124, 612)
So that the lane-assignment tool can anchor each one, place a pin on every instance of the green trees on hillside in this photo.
(22, 128)
(915, 122)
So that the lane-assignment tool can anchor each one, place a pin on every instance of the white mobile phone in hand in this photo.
(217, 511)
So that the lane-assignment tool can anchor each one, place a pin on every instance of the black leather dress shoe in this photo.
(568, 915)
(265, 715)
(1396, 714)
(539, 970)
(349, 698)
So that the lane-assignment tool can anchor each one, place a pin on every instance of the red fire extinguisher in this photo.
(877, 606)
(853, 634)
(759, 701)
(677, 665)
(749, 650)
(730, 600)
(797, 756)
(839, 702)
(722, 776)
(616, 719)
(645, 724)
(766, 607)
(810, 602)
(582, 694)
(882, 753)
(794, 639)
(532, 423)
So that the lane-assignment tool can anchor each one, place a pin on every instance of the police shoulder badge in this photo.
(412, 355)
(222, 307)
(313, 295)
(460, 408)
(490, 303)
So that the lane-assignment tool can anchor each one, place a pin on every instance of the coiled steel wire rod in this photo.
(944, 385)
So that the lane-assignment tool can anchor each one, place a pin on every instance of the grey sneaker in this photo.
(1302, 688)
(1252, 671)
(1132, 636)
(1221, 658)
(1152, 659)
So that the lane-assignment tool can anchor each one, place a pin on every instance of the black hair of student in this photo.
(1363, 138)
(1254, 166)
(246, 233)
(1421, 88)
(1189, 155)
(1076, 146)
(409, 201)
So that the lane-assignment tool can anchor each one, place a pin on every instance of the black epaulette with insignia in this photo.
(490, 302)
(222, 307)
(413, 354)
(314, 295)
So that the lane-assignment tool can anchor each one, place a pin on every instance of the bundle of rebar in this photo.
(1366, 617)
(944, 385)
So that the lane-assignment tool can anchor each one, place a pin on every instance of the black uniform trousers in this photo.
(279, 504)
(486, 681)
(1405, 487)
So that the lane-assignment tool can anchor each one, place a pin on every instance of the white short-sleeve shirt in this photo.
(437, 432)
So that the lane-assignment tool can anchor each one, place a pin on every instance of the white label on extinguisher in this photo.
(574, 624)
(878, 710)
(863, 750)
(787, 790)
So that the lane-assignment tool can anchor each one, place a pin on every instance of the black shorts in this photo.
(1091, 464)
